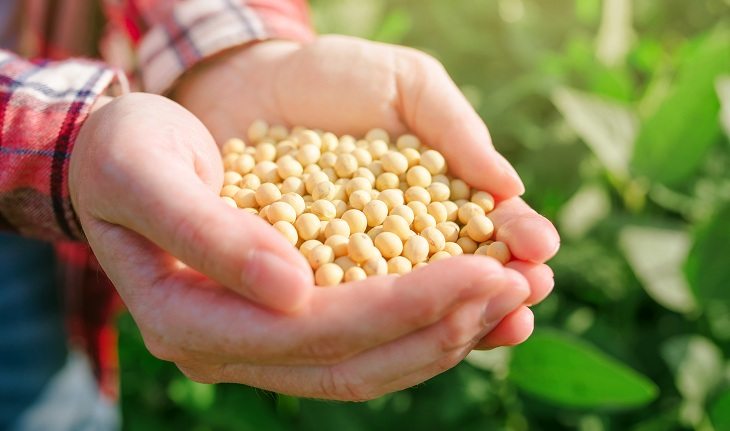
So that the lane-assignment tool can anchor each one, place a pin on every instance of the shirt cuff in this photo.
(198, 29)
(42, 107)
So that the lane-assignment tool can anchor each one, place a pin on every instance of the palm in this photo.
(298, 88)
(342, 85)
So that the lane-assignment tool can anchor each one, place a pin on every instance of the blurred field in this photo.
(617, 115)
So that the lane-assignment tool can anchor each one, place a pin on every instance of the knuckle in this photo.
(449, 361)
(425, 60)
(153, 330)
(418, 65)
(457, 332)
(198, 374)
(161, 350)
(190, 235)
(424, 310)
(158, 344)
(339, 384)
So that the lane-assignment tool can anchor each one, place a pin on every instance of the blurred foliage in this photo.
(617, 115)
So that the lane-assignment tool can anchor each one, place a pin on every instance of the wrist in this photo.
(79, 154)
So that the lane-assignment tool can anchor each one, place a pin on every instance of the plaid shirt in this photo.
(44, 102)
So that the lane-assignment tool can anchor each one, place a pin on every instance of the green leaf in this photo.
(697, 366)
(191, 395)
(659, 421)
(586, 208)
(674, 140)
(495, 360)
(656, 256)
(720, 412)
(615, 33)
(696, 363)
(350, 17)
(608, 128)
(396, 24)
(588, 11)
(568, 371)
(723, 93)
(718, 317)
(707, 265)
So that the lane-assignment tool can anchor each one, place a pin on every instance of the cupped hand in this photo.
(349, 85)
(207, 283)
(143, 165)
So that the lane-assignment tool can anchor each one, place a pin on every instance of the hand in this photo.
(144, 180)
(349, 85)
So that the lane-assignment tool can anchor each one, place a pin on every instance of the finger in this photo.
(186, 317)
(237, 249)
(513, 330)
(162, 182)
(407, 361)
(539, 276)
(530, 236)
(131, 262)
(337, 323)
(433, 107)
(174, 306)
(420, 356)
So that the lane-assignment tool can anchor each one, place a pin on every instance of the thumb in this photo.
(433, 107)
(236, 248)
(146, 164)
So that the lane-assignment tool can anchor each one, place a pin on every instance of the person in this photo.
(134, 178)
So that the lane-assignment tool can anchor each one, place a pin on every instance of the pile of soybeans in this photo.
(357, 207)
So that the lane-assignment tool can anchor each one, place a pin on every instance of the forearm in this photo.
(42, 107)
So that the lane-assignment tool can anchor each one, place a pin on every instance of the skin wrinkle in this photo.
(231, 342)
(354, 389)
(387, 301)
(307, 339)
(539, 276)
(330, 301)
(480, 299)
(437, 366)
(503, 335)
(139, 302)
(416, 322)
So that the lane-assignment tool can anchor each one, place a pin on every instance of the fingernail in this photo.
(272, 281)
(504, 303)
(510, 171)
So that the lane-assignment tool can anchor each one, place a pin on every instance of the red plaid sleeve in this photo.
(181, 33)
(42, 107)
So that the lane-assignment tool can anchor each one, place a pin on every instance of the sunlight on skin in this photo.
(357, 341)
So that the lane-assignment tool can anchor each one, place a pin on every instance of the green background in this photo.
(617, 115)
